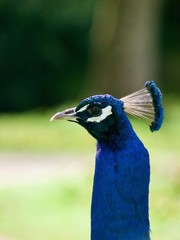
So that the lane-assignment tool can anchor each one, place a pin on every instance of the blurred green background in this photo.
(54, 53)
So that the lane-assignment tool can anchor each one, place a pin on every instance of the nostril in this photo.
(69, 111)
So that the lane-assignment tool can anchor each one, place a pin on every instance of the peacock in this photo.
(119, 208)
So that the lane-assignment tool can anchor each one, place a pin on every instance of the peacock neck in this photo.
(121, 185)
(120, 135)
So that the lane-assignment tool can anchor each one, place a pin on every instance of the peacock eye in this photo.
(95, 111)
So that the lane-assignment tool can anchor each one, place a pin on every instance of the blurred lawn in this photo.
(61, 209)
(34, 132)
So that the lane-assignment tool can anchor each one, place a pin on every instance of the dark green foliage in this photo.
(43, 51)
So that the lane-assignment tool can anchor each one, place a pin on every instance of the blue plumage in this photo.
(157, 102)
(119, 208)
(120, 193)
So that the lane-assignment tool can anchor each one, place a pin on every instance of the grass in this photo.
(61, 209)
(34, 132)
(57, 210)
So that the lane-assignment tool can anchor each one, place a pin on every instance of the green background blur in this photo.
(54, 53)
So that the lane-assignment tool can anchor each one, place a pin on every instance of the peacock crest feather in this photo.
(146, 104)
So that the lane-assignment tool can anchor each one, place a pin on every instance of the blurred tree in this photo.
(124, 45)
(170, 47)
(44, 52)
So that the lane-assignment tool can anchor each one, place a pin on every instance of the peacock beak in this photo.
(68, 114)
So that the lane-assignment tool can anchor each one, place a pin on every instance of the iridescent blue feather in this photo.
(157, 102)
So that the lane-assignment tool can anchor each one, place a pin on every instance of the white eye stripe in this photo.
(105, 113)
(83, 108)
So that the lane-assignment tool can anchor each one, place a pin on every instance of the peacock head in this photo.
(98, 114)
(101, 115)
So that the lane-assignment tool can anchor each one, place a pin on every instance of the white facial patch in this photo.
(105, 113)
(83, 108)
